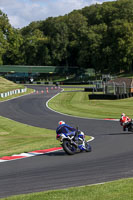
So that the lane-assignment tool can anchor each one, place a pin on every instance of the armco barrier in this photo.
(93, 89)
(12, 92)
(103, 96)
(109, 96)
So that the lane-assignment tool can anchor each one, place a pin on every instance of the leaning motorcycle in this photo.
(129, 126)
(72, 144)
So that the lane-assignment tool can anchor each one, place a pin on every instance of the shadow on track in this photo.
(125, 133)
(63, 154)
(58, 153)
(108, 134)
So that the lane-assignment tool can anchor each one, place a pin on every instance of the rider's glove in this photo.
(58, 136)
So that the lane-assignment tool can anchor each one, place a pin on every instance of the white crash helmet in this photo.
(123, 114)
(61, 122)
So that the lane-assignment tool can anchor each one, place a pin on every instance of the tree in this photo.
(4, 26)
(57, 31)
(122, 45)
(99, 36)
(33, 44)
(14, 54)
(78, 31)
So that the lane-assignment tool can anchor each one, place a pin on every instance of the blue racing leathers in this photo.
(64, 128)
(68, 130)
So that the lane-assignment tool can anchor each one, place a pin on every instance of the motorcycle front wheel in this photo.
(88, 147)
(69, 148)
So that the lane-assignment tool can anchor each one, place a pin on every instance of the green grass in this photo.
(116, 190)
(73, 89)
(128, 75)
(18, 138)
(78, 104)
(6, 85)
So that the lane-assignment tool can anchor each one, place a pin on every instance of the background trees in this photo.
(4, 27)
(99, 36)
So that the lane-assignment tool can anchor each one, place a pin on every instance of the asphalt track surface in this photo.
(111, 157)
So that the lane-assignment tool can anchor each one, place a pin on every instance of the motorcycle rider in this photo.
(70, 131)
(125, 121)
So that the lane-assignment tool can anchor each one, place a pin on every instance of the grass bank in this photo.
(116, 190)
(6, 86)
(18, 138)
(78, 104)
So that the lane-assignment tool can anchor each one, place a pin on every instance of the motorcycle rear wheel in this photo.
(69, 148)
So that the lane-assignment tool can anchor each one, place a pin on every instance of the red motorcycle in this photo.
(128, 126)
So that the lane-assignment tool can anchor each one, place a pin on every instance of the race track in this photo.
(111, 157)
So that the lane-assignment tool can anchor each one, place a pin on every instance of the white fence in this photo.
(12, 92)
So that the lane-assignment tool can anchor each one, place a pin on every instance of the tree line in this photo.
(99, 36)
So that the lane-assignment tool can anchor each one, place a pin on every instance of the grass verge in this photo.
(78, 104)
(6, 85)
(116, 190)
(18, 138)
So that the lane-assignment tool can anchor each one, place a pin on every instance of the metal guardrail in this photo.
(12, 92)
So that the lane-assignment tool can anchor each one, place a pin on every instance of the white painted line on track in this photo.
(25, 154)
(92, 138)
(2, 160)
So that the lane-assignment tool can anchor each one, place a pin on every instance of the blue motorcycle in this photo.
(73, 144)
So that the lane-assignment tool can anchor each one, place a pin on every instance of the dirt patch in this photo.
(4, 133)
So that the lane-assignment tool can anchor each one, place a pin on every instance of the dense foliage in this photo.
(99, 36)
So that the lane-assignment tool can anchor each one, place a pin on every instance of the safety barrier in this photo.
(109, 96)
(12, 92)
